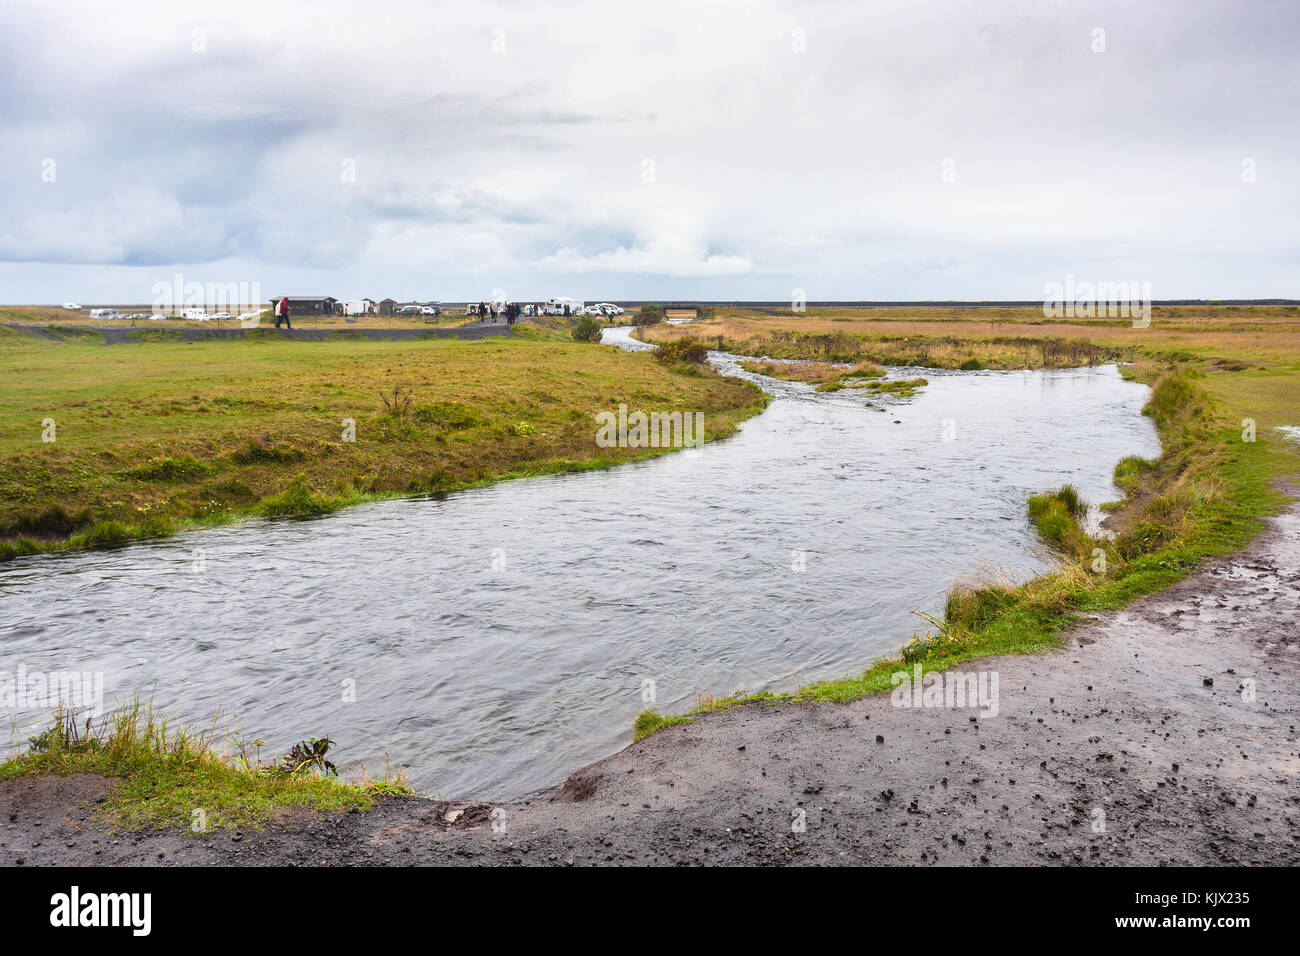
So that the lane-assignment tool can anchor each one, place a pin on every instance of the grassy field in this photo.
(1249, 336)
(1222, 379)
(154, 438)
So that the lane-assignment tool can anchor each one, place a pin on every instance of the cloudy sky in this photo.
(604, 150)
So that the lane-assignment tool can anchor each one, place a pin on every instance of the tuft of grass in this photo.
(180, 468)
(173, 775)
(53, 521)
(1130, 471)
(1056, 516)
(650, 721)
(300, 499)
(899, 388)
(865, 370)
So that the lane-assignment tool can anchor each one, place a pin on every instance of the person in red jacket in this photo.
(282, 313)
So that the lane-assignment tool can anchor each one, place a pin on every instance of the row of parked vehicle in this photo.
(194, 315)
(558, 305)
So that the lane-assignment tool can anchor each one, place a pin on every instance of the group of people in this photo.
(510, 311)
(485, 311)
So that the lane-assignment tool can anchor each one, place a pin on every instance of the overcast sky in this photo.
(610, 150)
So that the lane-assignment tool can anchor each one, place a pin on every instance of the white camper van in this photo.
(103, 313)
(358, 307)
(556, 306)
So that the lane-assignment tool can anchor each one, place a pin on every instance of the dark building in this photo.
(309, 304)
(388, 307)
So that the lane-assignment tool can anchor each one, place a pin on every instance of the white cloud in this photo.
(505, 144)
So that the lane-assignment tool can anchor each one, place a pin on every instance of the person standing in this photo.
(282, 311)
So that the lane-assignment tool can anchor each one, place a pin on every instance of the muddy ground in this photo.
(1140, 742)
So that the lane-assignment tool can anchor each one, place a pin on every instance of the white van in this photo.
(555, 306)
(196, 315)
(103, 313)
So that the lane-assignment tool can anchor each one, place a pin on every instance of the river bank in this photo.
(1161, 734)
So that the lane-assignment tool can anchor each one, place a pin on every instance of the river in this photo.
(492, 641)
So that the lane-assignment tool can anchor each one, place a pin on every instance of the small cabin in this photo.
(309, 304)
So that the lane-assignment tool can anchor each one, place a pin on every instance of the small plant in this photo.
(649, 314)
(307, 756)
(687, 350)
(587, 330)
(63, 735)
(398, 402)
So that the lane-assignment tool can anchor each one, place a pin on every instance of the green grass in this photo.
(162, 437)
(899, 387)
(167, 773)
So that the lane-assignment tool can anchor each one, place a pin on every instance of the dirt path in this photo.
(1143, 724)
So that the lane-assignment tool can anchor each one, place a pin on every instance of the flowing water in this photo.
(495, 640)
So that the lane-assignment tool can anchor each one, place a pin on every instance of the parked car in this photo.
(220, 315)
(195, 315)
(157, 317)
(104, 314)
(431, 310)
(409, 310)
(609, 308)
